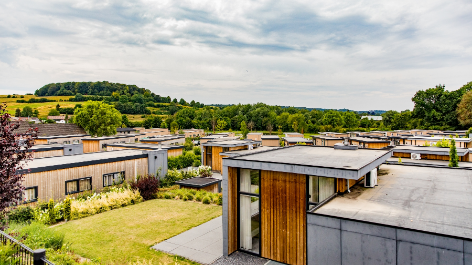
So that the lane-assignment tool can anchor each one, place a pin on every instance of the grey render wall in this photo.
(332, 240)
(157, 160)
(73, 149)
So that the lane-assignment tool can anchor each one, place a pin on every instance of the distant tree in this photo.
(214, 121)
(54, 112)
(351, 120)
(58, 107)
(244, 129)
(14, 152)
(333, 118)
(464, 110)
(250, 125)
(182, 102)
(164, 125)
(67, 118)
(221, 125)
(98, 118)
(125, 121)
(175, 100)
(124, 99)
(469, 131)
(174, 127)
(27, 112)
(453, 157)
(269, 128)
(18, 112)
(365, 122)
(36, 113)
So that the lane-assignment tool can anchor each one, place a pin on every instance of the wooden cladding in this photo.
(51, 184)
(431, 157)
(274, 143)
(341, 184)
(91, 146)
(216, 160)
(283, 219)
(232, 209)
(48, 153)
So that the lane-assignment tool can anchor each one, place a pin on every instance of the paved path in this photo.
(202, 244)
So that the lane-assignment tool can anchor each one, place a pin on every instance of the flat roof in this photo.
(146, 146)
(427, 163)
(368, 140)
(62, 162)
(314, 160)
(435, 139)
(428, 150)
(254, 133)
(46, 147)
(62, 136)
(270, 137)
(297, 139)
(246, 152)
(231, 143)
(125, 129)
(434, 200)
(109, 137)
(326, 137)
(198, 182)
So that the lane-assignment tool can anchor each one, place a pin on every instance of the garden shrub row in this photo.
(202, 196)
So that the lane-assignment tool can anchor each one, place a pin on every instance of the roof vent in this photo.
(341, 146)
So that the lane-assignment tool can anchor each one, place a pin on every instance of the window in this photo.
(249, 214)
(66, 142)
(225, 149)
(75, 141)
(30, 194)
(113, 178)
(319, 189)
(78, 185)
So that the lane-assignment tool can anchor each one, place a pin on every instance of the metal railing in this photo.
(24, 255)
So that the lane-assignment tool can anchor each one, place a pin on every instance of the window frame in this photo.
(258, 195)
(78, 185)
(118, 172)
(35, 193)
(308, 196)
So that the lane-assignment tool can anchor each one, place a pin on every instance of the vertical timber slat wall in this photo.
(283, 217)
(232, 209)
(91, 146)
(48, 153)
(216, 160)
(51, 184)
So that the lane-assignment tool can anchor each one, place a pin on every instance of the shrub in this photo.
(168, 195)
(67, 208)
(185, 198)
(219, 201)
(193, 192)
(171, 177)
(147, 186)
(197, 151)
(188, 144)
(37, 235)
(51, 213)
(22, 214)
(197, 163)
(206, 200)
(205, 171)
(190, 173)
(198, 197)
(7, 254)
(189, 196)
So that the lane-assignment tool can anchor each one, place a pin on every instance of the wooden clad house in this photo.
(57, 177)
(211, 150)
(98, 144)
(270, 140)
(288, 141)
(172, 150)
(430, 152)
(364, 142)
(213, 137)
(425, 140)
(319, 140)
(294, 134)
(50, 150)
(165, 139)
(61, 139)
(267, 196)
(255, 136)
(193, 133)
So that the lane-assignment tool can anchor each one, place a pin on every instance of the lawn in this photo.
(126, 234)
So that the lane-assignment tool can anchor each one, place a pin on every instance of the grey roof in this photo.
(426, 163)
(435, 139)
(231, 143)
(444, 151)
(61, 162)
(297, 140)
(125, 129)
(109, 137)
(314, 160)
(270, 137)
(428, 199)
(197, 182)
(46, 147)
(254, 133)
(368, 140)
(246, 152)
(161, 138)
(146, 146)
(326, 137)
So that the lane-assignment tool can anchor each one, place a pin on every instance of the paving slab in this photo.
(202, 244)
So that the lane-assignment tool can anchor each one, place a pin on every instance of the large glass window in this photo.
(78, 185)
(249, 214)
(113, 178)
(30, 194)
(319, 189)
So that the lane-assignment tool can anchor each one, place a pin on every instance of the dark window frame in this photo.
(308, 196)
(78, 185)
(35, 193)
(118, 172)
(258, 195)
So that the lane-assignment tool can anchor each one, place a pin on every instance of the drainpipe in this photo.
(348, 186)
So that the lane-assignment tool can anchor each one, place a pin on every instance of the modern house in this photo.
(206, 184)
(61, 139)
(193, 133)
(268, 197)
(165, 139)
(50, 150)
(57, 177)
(320, 140)
(365, 142)
(98, 144)
(212, 150)
(254, 136)
(429, 152)
(126, 130)
(270, 140)
(172, 150)
(159, 131)
(216, 136)
(58, 119)
(294, 134)
(425, 140)
(288, 141)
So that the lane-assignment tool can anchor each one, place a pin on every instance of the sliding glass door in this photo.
(319, 189)
(249, 210)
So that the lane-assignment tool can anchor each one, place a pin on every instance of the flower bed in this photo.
(192, 195)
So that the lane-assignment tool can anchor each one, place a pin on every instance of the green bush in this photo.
(22, 214)
(197, 163)
(168, 195)
(188, 146)
(193, 192)
(206, 200)
(185, 198)
(67, 209)
(190, 196)
(219, 201)
(198, 197)
(51, 212)
(7, 253)
(37, 235)
(197, 151)
(171, 177)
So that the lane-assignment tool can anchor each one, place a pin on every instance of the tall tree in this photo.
(14, 151)
(464, 110)
(244, 129)
(453, 157)
(27, 112)
(17, 112)
(98, 118)
(351, 120)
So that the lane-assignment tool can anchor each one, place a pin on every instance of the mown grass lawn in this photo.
(126, 234)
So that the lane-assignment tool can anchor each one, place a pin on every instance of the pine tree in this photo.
(453, 158)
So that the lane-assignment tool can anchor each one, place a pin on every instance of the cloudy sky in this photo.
(329, 54)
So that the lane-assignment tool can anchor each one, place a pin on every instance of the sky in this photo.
(360, 55)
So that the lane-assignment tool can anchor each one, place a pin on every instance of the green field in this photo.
(126, 234)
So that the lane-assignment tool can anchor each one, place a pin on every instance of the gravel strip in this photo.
(240, 258)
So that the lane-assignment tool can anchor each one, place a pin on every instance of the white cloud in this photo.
(344, 54)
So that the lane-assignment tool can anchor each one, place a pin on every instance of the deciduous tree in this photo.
(98, 118)
(464, 110)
